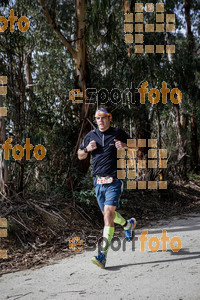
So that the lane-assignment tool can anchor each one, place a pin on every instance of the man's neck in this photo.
(104, 129)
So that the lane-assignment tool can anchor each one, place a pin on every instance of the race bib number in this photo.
(104, 180)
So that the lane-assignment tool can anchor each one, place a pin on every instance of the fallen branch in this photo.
(82, 215)
(23, 225)
(55, 215)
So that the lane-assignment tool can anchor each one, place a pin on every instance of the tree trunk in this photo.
(180, 130)
(194, 141)
(79, 56)
(81, 77)
(192, 99)
(181, 124)
(142, 122)
(3, 167)
(21, 113)
(29, 78)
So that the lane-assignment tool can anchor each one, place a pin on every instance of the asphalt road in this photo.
(129, 274)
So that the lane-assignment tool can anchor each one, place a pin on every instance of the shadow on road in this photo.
(116, 268)
(191, 228)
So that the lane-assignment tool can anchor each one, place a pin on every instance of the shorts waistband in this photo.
(114, 177)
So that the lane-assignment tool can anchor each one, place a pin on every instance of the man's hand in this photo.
(120, 145)
(91, 146)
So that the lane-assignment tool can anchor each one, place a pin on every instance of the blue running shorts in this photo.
(108, 194)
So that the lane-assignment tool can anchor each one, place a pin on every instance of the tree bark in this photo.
(142, 122)
(3, 168)
(181, 125)
(191, 81)
(81, 78)
(79, 56)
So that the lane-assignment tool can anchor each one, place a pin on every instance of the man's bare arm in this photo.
(90, 147)
(82, 154)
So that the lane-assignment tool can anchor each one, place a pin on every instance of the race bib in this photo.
(104, 180)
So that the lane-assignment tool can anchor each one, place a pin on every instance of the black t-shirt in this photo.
(104, 158)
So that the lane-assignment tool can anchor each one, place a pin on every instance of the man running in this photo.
(103, 143)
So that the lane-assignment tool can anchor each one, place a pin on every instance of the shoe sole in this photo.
(96, 262)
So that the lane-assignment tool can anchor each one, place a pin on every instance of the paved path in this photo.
(129, 274)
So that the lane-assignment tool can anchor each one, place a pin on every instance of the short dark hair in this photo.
(104, 107)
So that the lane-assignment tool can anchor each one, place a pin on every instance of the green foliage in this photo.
(193, 176)
(85, 196)
(46, 115)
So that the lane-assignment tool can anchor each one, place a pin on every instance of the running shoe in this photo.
(129, 232)
(99, 260)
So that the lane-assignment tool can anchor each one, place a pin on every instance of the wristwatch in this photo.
(85, 150)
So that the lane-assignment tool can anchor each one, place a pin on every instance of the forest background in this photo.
(80, 44)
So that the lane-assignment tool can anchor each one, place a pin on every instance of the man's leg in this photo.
(108, 231)
(118, 219)
(121, 221)
(128, 225)
(108, 212)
